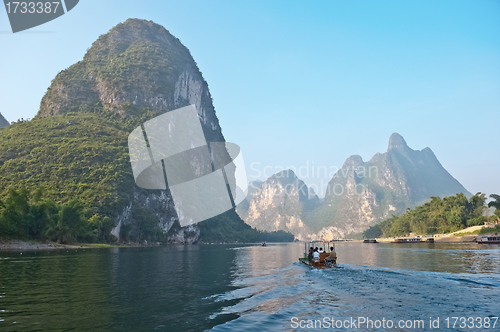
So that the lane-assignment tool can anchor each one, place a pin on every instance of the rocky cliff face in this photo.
(279, 203)
(3, 122)
(138, 65)
(359, 195)
(364, 193)
(137, 70)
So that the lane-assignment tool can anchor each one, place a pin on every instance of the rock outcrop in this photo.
(279, 203)
(3, 122)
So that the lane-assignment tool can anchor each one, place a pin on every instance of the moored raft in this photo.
(413, 240)
(488, 240)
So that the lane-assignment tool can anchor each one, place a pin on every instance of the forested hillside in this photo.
(439, 215)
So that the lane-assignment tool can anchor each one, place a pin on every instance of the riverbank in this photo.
(467, 235)
(16, 245)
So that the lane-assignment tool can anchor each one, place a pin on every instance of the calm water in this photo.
(243, 287)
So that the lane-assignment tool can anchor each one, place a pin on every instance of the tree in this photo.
(71, 226)
(439, 215)
(15, 214)
(495, 204)
(477, 204)
(100, 228)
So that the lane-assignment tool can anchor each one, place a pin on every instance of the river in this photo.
(250, 288)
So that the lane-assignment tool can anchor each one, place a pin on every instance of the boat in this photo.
(321, 264)
(488, 240)
(370, 241)
(408, 240)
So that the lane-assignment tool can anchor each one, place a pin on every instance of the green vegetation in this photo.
(445, 215)
(496, 204)
(223, 228)
(81, 161)
(27, 216)
(73, 156)
(487, 230)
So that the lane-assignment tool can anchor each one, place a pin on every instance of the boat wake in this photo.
(268, 303)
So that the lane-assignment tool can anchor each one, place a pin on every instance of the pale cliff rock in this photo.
(279, 203)
(359, 195)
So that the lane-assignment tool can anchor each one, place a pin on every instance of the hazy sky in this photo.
(298, 83)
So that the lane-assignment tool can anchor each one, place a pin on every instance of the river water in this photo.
(251, 288)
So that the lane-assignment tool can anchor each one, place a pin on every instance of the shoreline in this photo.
(18, 245)
(444, 238)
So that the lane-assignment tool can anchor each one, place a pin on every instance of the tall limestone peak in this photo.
(279, 203)
(396, 141)
(131, 74)
(137, 66)
(361, 193)
(3, 122)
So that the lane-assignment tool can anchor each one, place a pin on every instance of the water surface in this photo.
(243, 287)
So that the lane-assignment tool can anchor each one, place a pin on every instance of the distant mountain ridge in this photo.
(362, 194)
(3, 122)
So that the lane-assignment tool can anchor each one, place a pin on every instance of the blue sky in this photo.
(298, 83)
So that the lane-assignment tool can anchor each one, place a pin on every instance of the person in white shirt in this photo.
(320, 250)
(316, 257)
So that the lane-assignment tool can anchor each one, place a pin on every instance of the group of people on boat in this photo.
(314, 256)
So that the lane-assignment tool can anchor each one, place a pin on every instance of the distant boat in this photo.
(370, 241)
(489, 240)
(408, 240)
